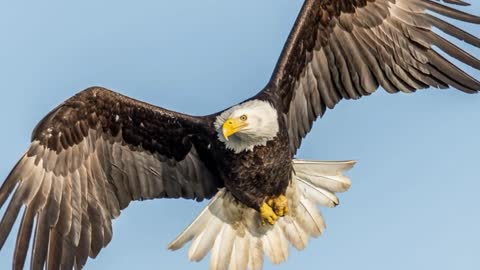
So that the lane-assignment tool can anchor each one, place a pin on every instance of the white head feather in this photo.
(262, 125)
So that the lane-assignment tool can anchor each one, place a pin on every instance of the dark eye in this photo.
(243, 117)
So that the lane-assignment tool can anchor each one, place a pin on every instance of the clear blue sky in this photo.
(415, 196)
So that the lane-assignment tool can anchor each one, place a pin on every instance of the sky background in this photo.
(415, 195)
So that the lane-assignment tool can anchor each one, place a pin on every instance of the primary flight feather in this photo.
(98, 151)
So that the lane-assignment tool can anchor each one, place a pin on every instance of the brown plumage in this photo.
(95, 153)
(347, 49)
(89, 159)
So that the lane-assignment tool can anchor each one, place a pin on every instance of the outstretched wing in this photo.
(346, 49)
(89, 158)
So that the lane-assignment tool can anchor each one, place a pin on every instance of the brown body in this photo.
(252, 176)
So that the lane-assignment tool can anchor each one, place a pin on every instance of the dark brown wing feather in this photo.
(89, 158)
(346, 49)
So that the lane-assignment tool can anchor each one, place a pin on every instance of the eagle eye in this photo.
(243, 117)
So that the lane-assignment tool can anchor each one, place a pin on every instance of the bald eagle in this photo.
(98, 151)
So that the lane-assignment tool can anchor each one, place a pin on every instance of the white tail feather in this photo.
(316, 194)
(275, 245)
(235, 236)
(239, 259)
(199, 224)
(222, 250)
(202, 244)
(294, 233)
(255, 259)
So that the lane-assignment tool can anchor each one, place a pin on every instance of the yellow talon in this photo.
(273, 208)
(279, 205)
(267, 214)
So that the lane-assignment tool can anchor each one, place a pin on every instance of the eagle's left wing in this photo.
(346, 49)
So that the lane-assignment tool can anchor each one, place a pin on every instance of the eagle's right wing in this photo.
(89, 158)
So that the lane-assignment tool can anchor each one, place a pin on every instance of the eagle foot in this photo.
(279, 205)
(267, 215)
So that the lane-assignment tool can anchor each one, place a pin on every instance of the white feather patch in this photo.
(236, 238)
(239, 259)
(262, 125)
(222, 250)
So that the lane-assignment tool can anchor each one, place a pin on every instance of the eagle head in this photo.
(247, 125)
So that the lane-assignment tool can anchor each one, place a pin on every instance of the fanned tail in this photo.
(235, 236)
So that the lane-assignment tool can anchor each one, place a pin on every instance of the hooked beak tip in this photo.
(224, 133)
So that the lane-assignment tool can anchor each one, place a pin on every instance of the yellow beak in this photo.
(232, 126)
